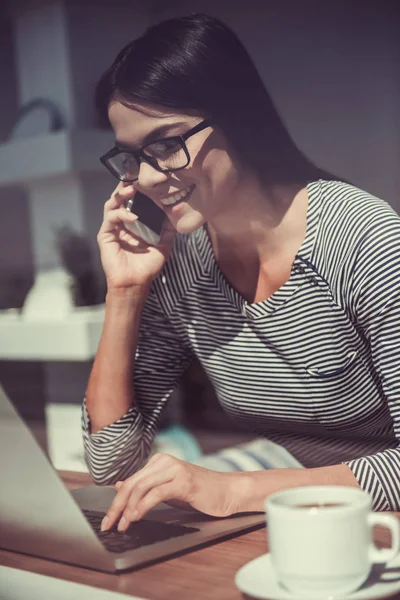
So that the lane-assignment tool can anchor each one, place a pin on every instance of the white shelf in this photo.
(74, 337)
(24, 160)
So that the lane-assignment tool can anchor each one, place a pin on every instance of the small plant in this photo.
(76, 257)
(14, 286)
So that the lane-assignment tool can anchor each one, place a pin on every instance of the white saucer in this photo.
(257, 579)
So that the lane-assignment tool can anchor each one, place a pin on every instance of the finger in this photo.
(129, 241)
(164, 492)
(120, 196)
(121, 499)
(117, 217)
(163, 469)
(121, 215)
(117, 505)
(146, 495)
(114, 203)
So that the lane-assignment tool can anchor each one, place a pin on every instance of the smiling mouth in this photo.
(178, 197)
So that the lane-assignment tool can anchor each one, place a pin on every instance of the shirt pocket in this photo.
(341, 390)
(328, 369)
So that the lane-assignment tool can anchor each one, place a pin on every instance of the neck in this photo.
(260, 223)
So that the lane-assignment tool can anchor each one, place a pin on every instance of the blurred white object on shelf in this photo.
(64, 438)
(50, 297)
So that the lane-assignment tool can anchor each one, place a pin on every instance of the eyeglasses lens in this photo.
(168, 154)
(125, 165)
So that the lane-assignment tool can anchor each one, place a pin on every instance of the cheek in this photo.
(220, 170)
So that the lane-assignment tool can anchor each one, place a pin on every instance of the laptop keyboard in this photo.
(140, 533)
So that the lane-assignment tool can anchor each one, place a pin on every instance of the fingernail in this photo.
(122, 524)
(134, 515)
(104, 524)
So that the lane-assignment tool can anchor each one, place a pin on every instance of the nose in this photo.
(149, 177)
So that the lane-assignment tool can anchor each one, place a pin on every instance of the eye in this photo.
(163, 148)
(127, 161)
(125, 164)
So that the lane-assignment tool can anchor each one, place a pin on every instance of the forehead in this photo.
(133, 124)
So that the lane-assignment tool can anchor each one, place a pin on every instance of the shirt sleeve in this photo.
(377, 304)
(118, 450)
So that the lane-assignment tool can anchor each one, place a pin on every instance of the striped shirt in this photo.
(314, 367)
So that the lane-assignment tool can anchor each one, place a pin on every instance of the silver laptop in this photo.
(16, 584)
(39, 516)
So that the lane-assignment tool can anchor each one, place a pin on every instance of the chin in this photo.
(189, 223)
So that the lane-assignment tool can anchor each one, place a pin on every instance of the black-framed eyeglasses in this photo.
(165, 155)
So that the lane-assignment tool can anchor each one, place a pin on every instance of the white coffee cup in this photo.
(320, 538)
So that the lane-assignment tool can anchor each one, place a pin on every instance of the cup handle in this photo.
(392, 523)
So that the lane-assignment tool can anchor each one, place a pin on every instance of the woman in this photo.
(283, 281)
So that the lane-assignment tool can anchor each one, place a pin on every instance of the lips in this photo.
(177, 197)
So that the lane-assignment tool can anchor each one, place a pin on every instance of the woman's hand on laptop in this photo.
(176, 482)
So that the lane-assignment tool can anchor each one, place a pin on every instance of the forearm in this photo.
(110, 391)
(255, 486)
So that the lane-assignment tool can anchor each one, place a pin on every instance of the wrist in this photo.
(127, 294)
(244, 491)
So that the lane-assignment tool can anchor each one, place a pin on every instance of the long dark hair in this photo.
(196, 62)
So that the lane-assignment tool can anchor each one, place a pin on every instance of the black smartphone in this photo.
(150, 218)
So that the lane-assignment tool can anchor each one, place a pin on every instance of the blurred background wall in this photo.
(331, 67)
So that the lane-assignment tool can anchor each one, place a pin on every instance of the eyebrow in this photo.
(157, 133)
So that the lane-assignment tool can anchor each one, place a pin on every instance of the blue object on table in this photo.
(179, 442)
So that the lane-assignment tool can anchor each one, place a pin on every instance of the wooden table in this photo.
(206, 574)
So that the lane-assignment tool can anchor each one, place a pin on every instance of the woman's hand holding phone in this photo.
(128, 261)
